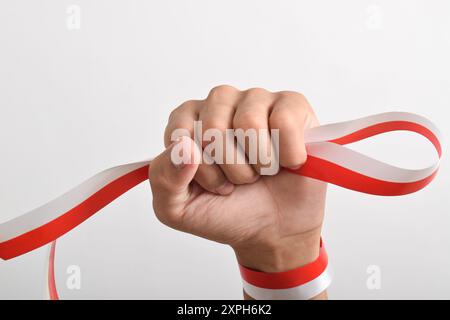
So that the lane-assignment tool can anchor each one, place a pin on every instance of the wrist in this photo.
(308, 281)
(281, 255)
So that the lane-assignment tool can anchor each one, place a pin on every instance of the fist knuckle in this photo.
(292, 95)
(173, 114)
(221, 92)
(256, 93)
(189, 104)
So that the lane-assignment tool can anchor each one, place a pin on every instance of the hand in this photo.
(272, 222)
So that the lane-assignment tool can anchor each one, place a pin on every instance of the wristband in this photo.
(302, 283)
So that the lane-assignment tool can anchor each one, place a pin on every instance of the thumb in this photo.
(170, 174)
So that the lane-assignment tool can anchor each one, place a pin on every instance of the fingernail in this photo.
(225, 189)
(180, 166)
(176, 141)
(177, 164)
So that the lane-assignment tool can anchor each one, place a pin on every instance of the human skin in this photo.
(272, 222)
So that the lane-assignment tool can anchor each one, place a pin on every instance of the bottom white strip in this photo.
(304, 292)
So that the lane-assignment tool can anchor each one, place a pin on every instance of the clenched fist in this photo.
(273, 222)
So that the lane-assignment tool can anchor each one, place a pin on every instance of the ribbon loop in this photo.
(328, 160)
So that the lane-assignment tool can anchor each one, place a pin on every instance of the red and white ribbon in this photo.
(50, 221)
(302, 283)
(328, 160)
(51, 290)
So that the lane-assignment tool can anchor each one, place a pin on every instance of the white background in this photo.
(74, 102)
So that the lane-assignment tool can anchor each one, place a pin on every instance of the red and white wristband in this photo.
(302, 283)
